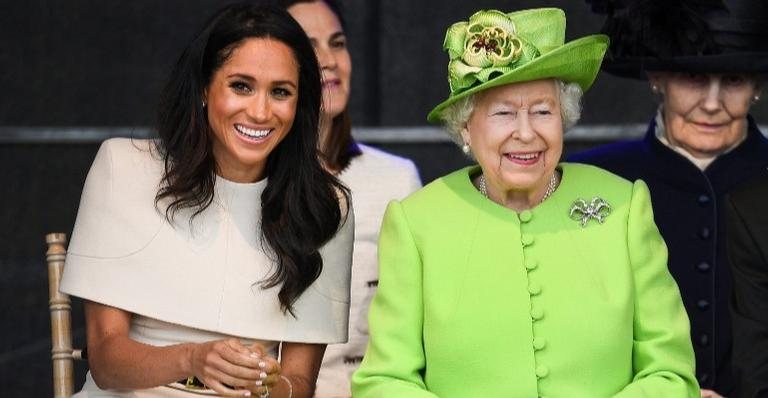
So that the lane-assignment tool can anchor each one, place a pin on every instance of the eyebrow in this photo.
(334, 36)
(251, 79)
(543, 100)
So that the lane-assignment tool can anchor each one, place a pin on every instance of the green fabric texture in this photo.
(493, 48)
(476, 300)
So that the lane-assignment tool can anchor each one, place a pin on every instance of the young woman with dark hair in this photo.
(373, 176)
(202, 253)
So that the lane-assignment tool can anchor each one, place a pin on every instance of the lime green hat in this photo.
(494, 48)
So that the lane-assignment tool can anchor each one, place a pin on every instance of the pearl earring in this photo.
(755, 99)
(204, 104)
(465, 148)
(655, 89)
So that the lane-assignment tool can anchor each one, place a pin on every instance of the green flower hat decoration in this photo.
(493, 48)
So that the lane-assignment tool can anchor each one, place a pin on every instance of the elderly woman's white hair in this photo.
(456, 115)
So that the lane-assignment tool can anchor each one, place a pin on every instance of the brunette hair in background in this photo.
(340, 146)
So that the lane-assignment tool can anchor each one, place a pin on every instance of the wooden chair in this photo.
(62, 354)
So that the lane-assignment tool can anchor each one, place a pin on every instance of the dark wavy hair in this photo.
(340, 147)
(302, 205)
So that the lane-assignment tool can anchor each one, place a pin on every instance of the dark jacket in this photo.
(689, 211)
(748, 253)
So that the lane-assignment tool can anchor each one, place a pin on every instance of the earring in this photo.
(755, 99)
(465, 148)
(204, 104)
(655, 89)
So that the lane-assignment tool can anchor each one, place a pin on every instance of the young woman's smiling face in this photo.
(251, 105)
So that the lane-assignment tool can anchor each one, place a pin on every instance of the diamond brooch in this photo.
(582, 211)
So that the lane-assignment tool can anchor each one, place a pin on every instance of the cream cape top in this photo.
(204, 274)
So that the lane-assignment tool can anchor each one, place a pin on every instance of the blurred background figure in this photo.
(374, 178)
(705, 60)
(521, 276)
(748, 254)
(206, 252)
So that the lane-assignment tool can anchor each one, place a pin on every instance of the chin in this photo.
(333, 112)
(335, 108)
(713, 150)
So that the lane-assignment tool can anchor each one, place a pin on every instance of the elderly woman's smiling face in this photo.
(516, 134)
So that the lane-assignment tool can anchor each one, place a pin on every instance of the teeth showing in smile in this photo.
(527, 156)
(252, 133)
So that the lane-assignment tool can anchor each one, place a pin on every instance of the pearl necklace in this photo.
(550, 187)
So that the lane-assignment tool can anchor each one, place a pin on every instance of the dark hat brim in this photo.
(637, 67)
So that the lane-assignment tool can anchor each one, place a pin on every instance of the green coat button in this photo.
(526, 239)
(534, 288)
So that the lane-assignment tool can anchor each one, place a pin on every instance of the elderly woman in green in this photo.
(522, 276)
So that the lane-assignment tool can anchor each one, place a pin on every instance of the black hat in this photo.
(701, 36)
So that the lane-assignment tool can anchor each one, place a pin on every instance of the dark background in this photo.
(85, 63)
(102, 62)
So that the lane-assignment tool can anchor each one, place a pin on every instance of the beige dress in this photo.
(375, 178)
(191, 282)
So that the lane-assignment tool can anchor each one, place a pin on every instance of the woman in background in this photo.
(204, 252)
(374, 178)
(704, 60)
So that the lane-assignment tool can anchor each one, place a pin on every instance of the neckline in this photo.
(240, 187)
(506, 212)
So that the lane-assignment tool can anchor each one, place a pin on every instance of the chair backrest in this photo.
(62, 353)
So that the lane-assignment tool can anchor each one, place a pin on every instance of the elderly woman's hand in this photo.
(228, 367)
(710, 394)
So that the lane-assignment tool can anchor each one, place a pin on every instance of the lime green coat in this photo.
(476, 300)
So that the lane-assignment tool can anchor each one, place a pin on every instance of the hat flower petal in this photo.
(476, 54)
(454, 39)
(493, 18)
(487, 40)
(461, 75)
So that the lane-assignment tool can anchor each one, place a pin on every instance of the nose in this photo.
(325, 57)
(259, 108)
(713, 99)
(524, 131)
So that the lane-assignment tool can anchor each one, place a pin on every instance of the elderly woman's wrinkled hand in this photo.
(710, 394)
